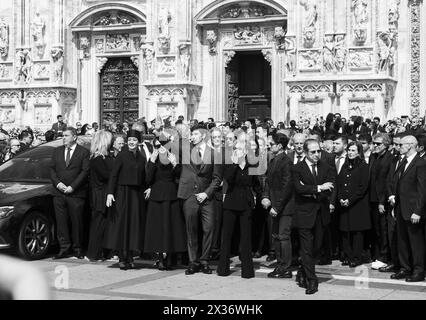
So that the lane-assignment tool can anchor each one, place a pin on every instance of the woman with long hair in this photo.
(352, 200)
(126, 189)
(101, 164)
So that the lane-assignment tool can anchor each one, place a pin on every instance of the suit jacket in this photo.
(75, 175)
(411, 189)
(242, 188)
(58, 127)
(128, 170)
(279, 183)
(100, 169)
(379, 170)
(308, 202)
(198, 178)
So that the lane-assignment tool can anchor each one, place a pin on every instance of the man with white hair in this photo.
(409, 200)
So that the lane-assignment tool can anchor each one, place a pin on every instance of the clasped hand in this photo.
(65, 189)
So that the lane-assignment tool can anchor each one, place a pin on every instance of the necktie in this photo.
(299, 159)
(339, 159)
(200, 156)
(314, 171)
(68, 157)
(402, 167)
(398, 163)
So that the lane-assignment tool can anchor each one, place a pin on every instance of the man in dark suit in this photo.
(380, 163)
(199, 179)
(68, 172)
(276, 199)
(314, 181)
(59, 127)
(409, 198)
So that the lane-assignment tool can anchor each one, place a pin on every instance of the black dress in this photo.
(127, 184)
(100, 169)
(165, 224)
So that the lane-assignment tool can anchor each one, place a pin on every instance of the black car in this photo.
(27, 218)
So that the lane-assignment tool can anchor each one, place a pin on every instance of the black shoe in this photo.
(416, 277)
(402, 274)
(192, 269)
(206, 269)
(215, 256)
(161, 266)
(271, 257)
(325, 262)
(123, 265)
(388, 268)
(223, 274)
(79, 254)
(278, 273)
(312, 287)
(61, 255)
(301, 279)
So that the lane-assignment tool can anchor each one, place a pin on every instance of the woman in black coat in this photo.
(352, 200)
(101, 164)
(165, 224)
(243, 186)
(126, 188)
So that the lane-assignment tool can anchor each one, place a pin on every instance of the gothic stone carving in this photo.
(166, 94)
(334, 53)
(228, 55)
(211, 38)
(279, 37)
(363, 108)
(267, 53)
(309, 60)
(4, 38)
(290, 50)
(4, 71)
(360, 20)
(310, 88)
(247, 35)
(148, 55)
(386, 51)
(85, 45)
(164, 30)
(310, 21)
(245, 10)
(58, 64)
(393, 15)
(99, 45)
(38, 27)
(114, 18)
(118, 42)
(166, 65)
(415, 56)
(135, 61)
(100, 63)
(24, 65)
(7, 114)
(185, 57)
(360, 58)
(41, 71)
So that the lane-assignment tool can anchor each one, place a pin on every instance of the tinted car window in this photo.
(33, 164)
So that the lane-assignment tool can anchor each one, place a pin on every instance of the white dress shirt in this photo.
(295, 160)
(146, 150)
(71, 151)
(409, 159)
(342, 161)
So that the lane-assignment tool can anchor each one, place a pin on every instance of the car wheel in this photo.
(34, 236)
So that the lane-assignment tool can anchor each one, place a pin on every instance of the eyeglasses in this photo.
(401, 144)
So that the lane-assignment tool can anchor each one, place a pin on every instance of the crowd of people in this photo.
(303, 195)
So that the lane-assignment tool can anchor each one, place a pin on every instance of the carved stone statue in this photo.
(23, 66)
(311, 17)
(211, 38)
(148, 54)
(85, 45)
(360, 15)
(310, 60)
(58, 64)
(393, 15)
(248, 34)
(279, 36)
(164, 19)
(38, 27)
(329, 53)
(4, 38)
(290, 50)
(185, 57)
(386, 53)
(340, 52)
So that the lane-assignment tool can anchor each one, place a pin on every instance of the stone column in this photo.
(415, 27)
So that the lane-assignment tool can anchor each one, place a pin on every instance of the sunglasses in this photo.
(377, 143)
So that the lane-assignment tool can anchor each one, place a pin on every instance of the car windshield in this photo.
(33, 165)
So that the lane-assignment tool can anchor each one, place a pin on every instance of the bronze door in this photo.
(120, 91)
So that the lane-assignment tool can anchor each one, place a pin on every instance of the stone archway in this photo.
(231, 26)
(103, 32)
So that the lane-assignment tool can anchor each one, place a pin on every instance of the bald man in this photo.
(297, 154)
(409, 199)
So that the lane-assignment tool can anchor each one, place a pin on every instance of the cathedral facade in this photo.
(91, 60)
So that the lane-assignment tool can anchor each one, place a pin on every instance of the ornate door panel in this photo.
(120, 91)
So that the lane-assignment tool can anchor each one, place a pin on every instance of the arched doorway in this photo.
(109, 38)
(235, 30)
(119, 91)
